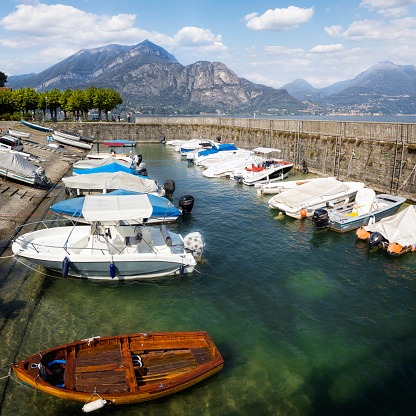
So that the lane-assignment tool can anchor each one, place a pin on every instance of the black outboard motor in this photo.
(186, 203)
(137, 160)
(169, 186)
(375, 239)
(218, 139)
(320, 218)
(163, 140)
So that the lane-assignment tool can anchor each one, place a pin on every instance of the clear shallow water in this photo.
(308, 322)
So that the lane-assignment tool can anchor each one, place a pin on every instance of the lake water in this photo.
(308, 322)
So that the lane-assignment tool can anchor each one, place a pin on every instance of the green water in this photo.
(308, 322)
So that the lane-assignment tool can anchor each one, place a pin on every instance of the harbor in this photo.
(307, 321)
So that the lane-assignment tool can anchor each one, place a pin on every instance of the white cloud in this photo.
(389, 8)
(279, 19)
(333, 31)
(281, 50)
(327, 48)
(57, 31)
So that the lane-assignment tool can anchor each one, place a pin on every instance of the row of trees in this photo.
(78, 102)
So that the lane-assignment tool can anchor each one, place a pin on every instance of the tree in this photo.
(6, 102)
(76, 102)
(99, 100)
(3, 79)
(54, 101)
(63, 102)
(112, 100)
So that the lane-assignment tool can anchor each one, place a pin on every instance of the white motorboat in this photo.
(110, 248)
(104, 155)
(269, 170)
(396, 233)
(135, 163)
(195, 145)
(281, 186)
(72, 136)
(367, 208)
(226, 166)
(206, 157)
(303, 200)
(70, 142)
(15, 166)
(102, 183)
(18, 134)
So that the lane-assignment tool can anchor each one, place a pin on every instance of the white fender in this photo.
(95, 405)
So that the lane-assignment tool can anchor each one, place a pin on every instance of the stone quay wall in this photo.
(382, 155)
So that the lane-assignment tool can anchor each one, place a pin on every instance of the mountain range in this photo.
(149, 78)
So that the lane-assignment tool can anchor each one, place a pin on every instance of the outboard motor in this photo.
(375, 239)
(320, 218)
(186, 203)
(218, 139)
(169, 186)
(137, 159)
(163, 140)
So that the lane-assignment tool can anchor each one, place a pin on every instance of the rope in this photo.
(404, 182)
(35, 270)
(19, 215)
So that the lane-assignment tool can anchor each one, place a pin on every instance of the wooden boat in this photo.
(35, 126)
(122, 369)
(120, 143)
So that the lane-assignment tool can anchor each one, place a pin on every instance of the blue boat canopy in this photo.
(110, 168)
(162, 207)
(217, 148)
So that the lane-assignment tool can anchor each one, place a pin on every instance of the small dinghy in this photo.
(122, 369)
(303, 200)
(71, 142)
(396, 233)
(367, 208)
(117, 245)
(36, 126)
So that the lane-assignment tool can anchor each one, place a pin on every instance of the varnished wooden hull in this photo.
(170, 362)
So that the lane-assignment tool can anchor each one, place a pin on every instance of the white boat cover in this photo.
(118, 180)
(399, 228)
(265, 150)
(311, 190)
(96, 163)
(364, 201)
(18, 164)
(110, 208)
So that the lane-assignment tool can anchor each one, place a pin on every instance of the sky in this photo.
(267, 42)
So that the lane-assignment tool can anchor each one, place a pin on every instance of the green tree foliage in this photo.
(78, 101)
(112, 100)
(3, 79)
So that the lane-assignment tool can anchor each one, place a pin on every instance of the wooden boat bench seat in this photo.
(103, 370)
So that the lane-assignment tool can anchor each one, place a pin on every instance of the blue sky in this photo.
(268, 42)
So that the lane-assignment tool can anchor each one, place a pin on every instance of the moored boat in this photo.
(367, 208)
(163, 209)
(112, 247)
(103, 155)
(122, 369)
(269, 170)
(396, 233)
(120, 143)
(102, 183)
(280, 186)
(303, 200)
(72, 136)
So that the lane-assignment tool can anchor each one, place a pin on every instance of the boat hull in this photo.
(347, 223)
(70, 142)
(74, 252)
(83, 363)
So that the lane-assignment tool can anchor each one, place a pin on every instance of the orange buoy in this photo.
(362, 234)
(395, 249)
(303, 213)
